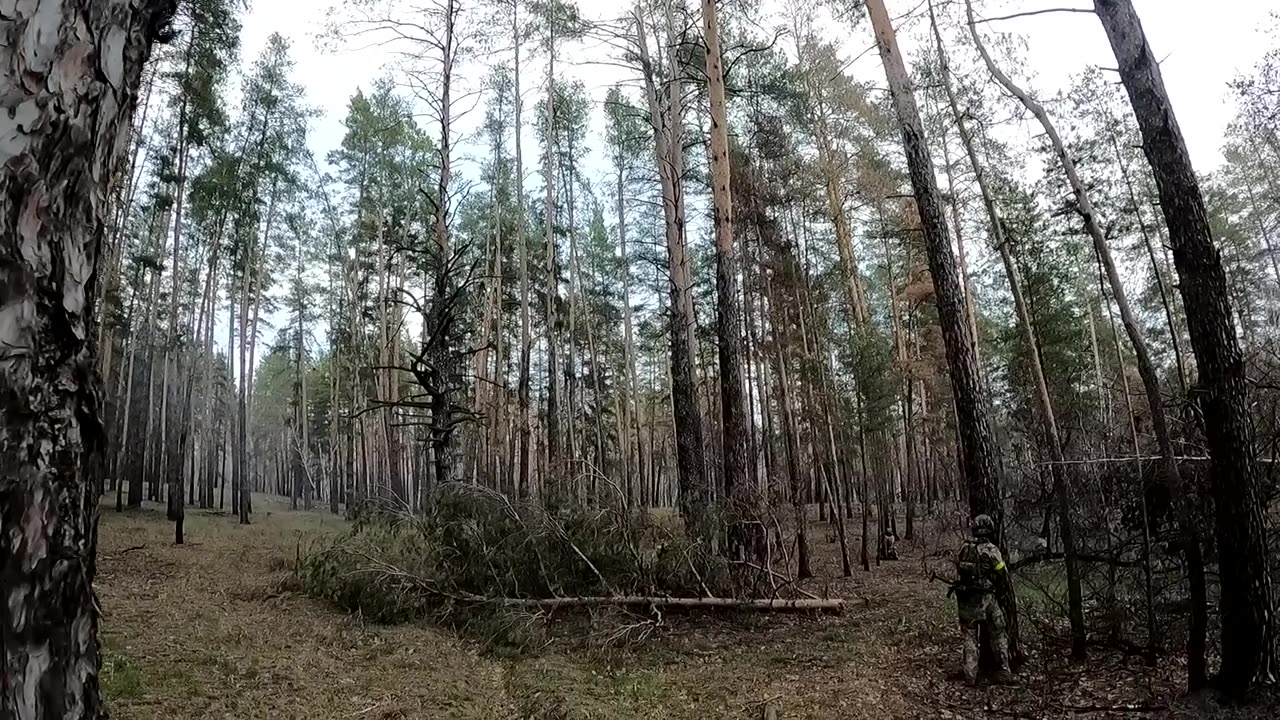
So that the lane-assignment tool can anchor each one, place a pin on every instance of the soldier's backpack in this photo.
(974, 577)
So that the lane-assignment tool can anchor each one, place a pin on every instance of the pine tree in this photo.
(65, 142)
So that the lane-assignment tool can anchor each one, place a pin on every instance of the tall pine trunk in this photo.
(1061, 488)
(522, 245)
(980, 463)
(1246, 604)
(743, 499)
(666, 116)
(66, 99)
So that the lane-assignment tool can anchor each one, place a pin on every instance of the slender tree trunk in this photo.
(554, 482)
(631, 412)
(1156, 272)
(1062, 491)
(1263, 232)
(1059, 470)
(151, 448)
(446, 365)
(1247, 605)
(522, 245)
(115, 250)
(172, 358)
(790, 432)
(977, 443)
(981, 466)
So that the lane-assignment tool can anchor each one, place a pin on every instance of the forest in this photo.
(647, 359)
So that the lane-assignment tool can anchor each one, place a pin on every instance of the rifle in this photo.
(952, 585)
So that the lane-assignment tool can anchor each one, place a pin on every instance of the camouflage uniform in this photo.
(981, 570)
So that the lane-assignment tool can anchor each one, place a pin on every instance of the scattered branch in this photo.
(1029, 13)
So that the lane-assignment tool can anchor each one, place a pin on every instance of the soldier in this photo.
(982, 572)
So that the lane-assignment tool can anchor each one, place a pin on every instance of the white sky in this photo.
(1203, 45)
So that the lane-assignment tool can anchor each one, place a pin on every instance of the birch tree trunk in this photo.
(69, 76)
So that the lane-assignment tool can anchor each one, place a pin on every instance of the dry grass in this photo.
(207, 631)
(204, 631)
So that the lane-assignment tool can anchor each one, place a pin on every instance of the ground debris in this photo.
(211, 633)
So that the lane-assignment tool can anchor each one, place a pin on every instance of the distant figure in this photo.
(888, 546)
(982, 571)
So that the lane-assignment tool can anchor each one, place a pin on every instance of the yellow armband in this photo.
(999, 565)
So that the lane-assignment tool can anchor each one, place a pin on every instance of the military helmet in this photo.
(983, 526)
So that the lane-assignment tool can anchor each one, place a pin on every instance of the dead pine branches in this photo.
(474, 556)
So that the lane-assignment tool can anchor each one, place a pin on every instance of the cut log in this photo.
(756, 605)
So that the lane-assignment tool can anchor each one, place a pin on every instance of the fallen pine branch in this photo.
(761, 605)
(124, 552)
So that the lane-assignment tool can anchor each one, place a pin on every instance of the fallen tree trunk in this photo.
(757, 605)
(1082, 557)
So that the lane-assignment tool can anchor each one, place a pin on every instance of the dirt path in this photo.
(206, 631)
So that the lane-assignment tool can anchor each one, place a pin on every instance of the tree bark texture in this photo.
(69, 76)
(977, 443)
(1061, 489)
(981, 468)
(667, 118)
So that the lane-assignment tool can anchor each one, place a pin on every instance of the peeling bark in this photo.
(69, 77)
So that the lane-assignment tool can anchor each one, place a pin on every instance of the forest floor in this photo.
(209, 630)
